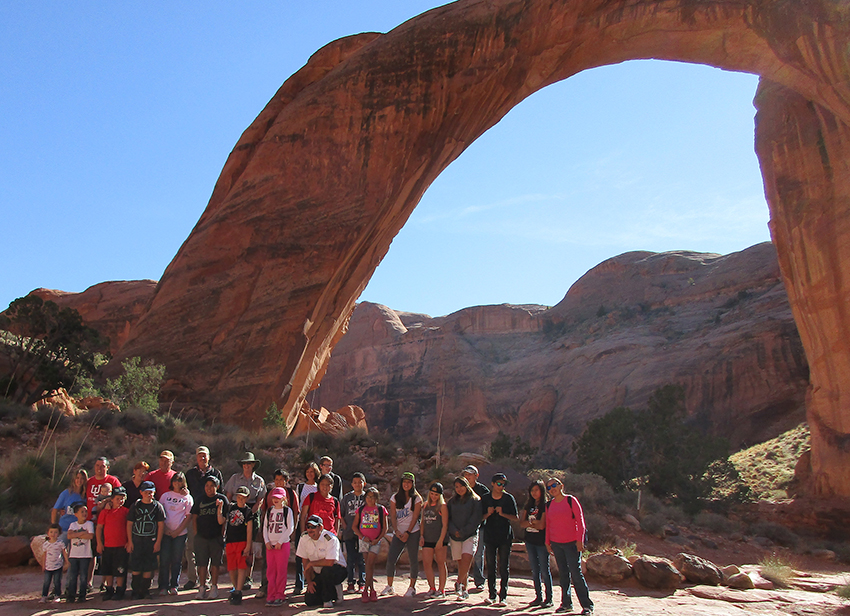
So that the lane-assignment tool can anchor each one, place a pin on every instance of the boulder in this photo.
(631, 521)
(37, 547)
(698, 570)
(15, 551)
(728, 571)
(608, 568)
(740, 580)
(656, 572)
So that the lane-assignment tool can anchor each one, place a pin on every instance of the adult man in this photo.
(324, 564)
(499, 511)
(256, 494)
(161, 477)
(94, 486)
(470, 473)
(322, 504)
(196, 479)
(326, 464)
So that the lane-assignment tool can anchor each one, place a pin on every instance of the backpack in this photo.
(570, 505)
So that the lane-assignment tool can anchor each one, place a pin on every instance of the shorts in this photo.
(114, 562)
(468, 546)
(431, 544)
(365, 548)
(208, 551)
(143, 558)
(235, 555)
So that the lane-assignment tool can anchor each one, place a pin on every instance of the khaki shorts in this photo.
(459, 548)
(365, 547)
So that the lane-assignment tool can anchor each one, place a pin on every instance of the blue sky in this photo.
(118, 117)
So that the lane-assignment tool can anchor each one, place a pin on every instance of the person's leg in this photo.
(392, 558)
(370, 570)
(81, 574)
(490, 559)
(329, 577)
(478, 560)
(413, 555)
(177, 548)
(534, 562)
(191, 568)
(351, 551)
(45, 586)
(428, 564)
(164, 563)
(559, 551)
(272, 564)
(73, 578)
(545, 573)
(299, 568)
(574, 561)
(463, 570)
(504, 552)
(442, 569)
(360, 565)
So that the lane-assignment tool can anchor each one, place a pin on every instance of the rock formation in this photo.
(309, 200)
(718, 325)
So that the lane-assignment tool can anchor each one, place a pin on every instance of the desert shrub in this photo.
(273, 417)
(138, 421)
(843, 592)
(598, 529)
(11, 411)
(10, 430)
(307, 455)
(842, 552)
(51, 417)
(776, 569)
(28, 482)
(26, 521)
(716, 523)
(653, 523)
(104, 418)
(776, 533)
(138, 387)
(358, 437)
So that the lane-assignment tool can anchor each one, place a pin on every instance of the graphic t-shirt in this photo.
(114, 522)
(93, 491)
(404, 516)
(533, 513)
(207, 512)
(279, 525)
(145, 518)
(177, 508)
(237, 523)
(351, 502)
(53, 558)
(433, 523)
(65, 503)
(81, 548)
(370, 521)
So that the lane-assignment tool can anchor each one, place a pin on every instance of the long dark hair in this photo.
(543, 496)
(470, 493)
(401, 497)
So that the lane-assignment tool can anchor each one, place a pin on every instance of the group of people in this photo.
(156, 519)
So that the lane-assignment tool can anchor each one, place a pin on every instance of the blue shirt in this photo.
(66, 502)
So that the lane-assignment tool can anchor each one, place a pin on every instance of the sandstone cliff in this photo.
(720, 326)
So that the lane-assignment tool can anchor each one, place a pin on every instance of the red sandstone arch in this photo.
(311, 197)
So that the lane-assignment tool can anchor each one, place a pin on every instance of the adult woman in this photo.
(435, 526)
(132, 486)
(63, 510)
(302, 491)
(464, 519)
(565, 540)
(405, 506)
(177, 503)
(533, 519)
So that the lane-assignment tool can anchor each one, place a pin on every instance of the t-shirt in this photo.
(533, 513)
(405, 522)
(279, 525)
(161, 480)
(304, 490)
(81, 548)
(433, 523)
(196, 479)
(326, 508)
(237, 523)
(133, 493)
(351, 502)
(65, 503)
(93, 491)
(370, 521)
(207, 512)
(497, 529)
(145, 519)
(177, 508)
(114, 522)
(53, 558)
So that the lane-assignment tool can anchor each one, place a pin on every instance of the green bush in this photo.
(29, 483)
(776, 569)
(716, 523)
(653, 523)
(776, 533)
(138, 421)
(273, 417)
(138, 387)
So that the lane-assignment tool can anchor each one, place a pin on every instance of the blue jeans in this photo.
(78, 574)
(170, 561)
(355, 563)
(478, 560)
(504, 553)
(54, 577)
(569, 567)
(538, 558)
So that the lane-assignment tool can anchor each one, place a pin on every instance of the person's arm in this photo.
(187, 518)
(580, 525)
(84, 534)
(444, 513)
(355, 524)
(524, 522)
(160, 528)
(338, 511)
(393, 520)
(66, 559)
(249, 537)
(195, 523)
(266, 538)
(511, 514)
(129, 537)
(219, 516)
(99, 531)
(417, 508)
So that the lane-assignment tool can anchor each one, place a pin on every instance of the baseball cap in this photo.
(167, 454)
(243, 490)
(472, 470)
(147, 486)
(313, 521)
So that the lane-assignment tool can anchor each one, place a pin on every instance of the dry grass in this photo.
(768, 468)
(776, 569)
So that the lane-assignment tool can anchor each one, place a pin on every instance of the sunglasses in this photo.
(501, 484)
(552, 486)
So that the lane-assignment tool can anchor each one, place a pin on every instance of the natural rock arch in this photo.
(316, 188)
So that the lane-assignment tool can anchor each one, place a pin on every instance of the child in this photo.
(351, 502)
(277, 532)
(240, 534)
(145, 526)
(112, 545)
(370, 526)
(55, 560)
(208, 522)
(80, 533)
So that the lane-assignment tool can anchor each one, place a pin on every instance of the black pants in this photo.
(325, 581)
(504, 552)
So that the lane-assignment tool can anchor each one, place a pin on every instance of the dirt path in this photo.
(20, 589)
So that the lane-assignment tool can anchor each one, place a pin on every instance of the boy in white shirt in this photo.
(80, 533)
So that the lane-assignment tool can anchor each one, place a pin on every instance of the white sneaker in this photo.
(328, 604)
(489, 601)
(202, 592)
(462, 595)
(386, 592)
(213, 594)
(500, 603)
(410, 592)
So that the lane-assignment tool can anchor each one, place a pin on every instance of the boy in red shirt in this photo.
(112, 545)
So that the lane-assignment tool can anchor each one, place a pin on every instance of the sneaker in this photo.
(271, 603)
(67, 599)
(190, 584)
(57, 600)
(535, 603)
(364, 598)
(236, 598)
(489, 600)
(260, 593)
(500, 603)
(410, 592)
(547, 604)
(587, 611)
(440, 594)
(457, 587)
(202, 592)
(172, 592)
(213, 594)
(431, 592)
(43, 600)
(328, 604)
(373, 596)
(351, 587)
(463, 595)
(479, 588)
(386, 592)
(565, 608)
(246, 585)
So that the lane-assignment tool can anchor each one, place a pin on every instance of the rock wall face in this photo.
(309, 200)
(720, 326)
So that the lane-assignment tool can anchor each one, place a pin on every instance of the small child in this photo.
(145, 527)
(55, 560)
(277, 532)
(80, 533)
(370, 525)
(112, 545)
(240, 529)
(351, 502)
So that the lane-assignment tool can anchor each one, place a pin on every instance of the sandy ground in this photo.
(20, 589)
